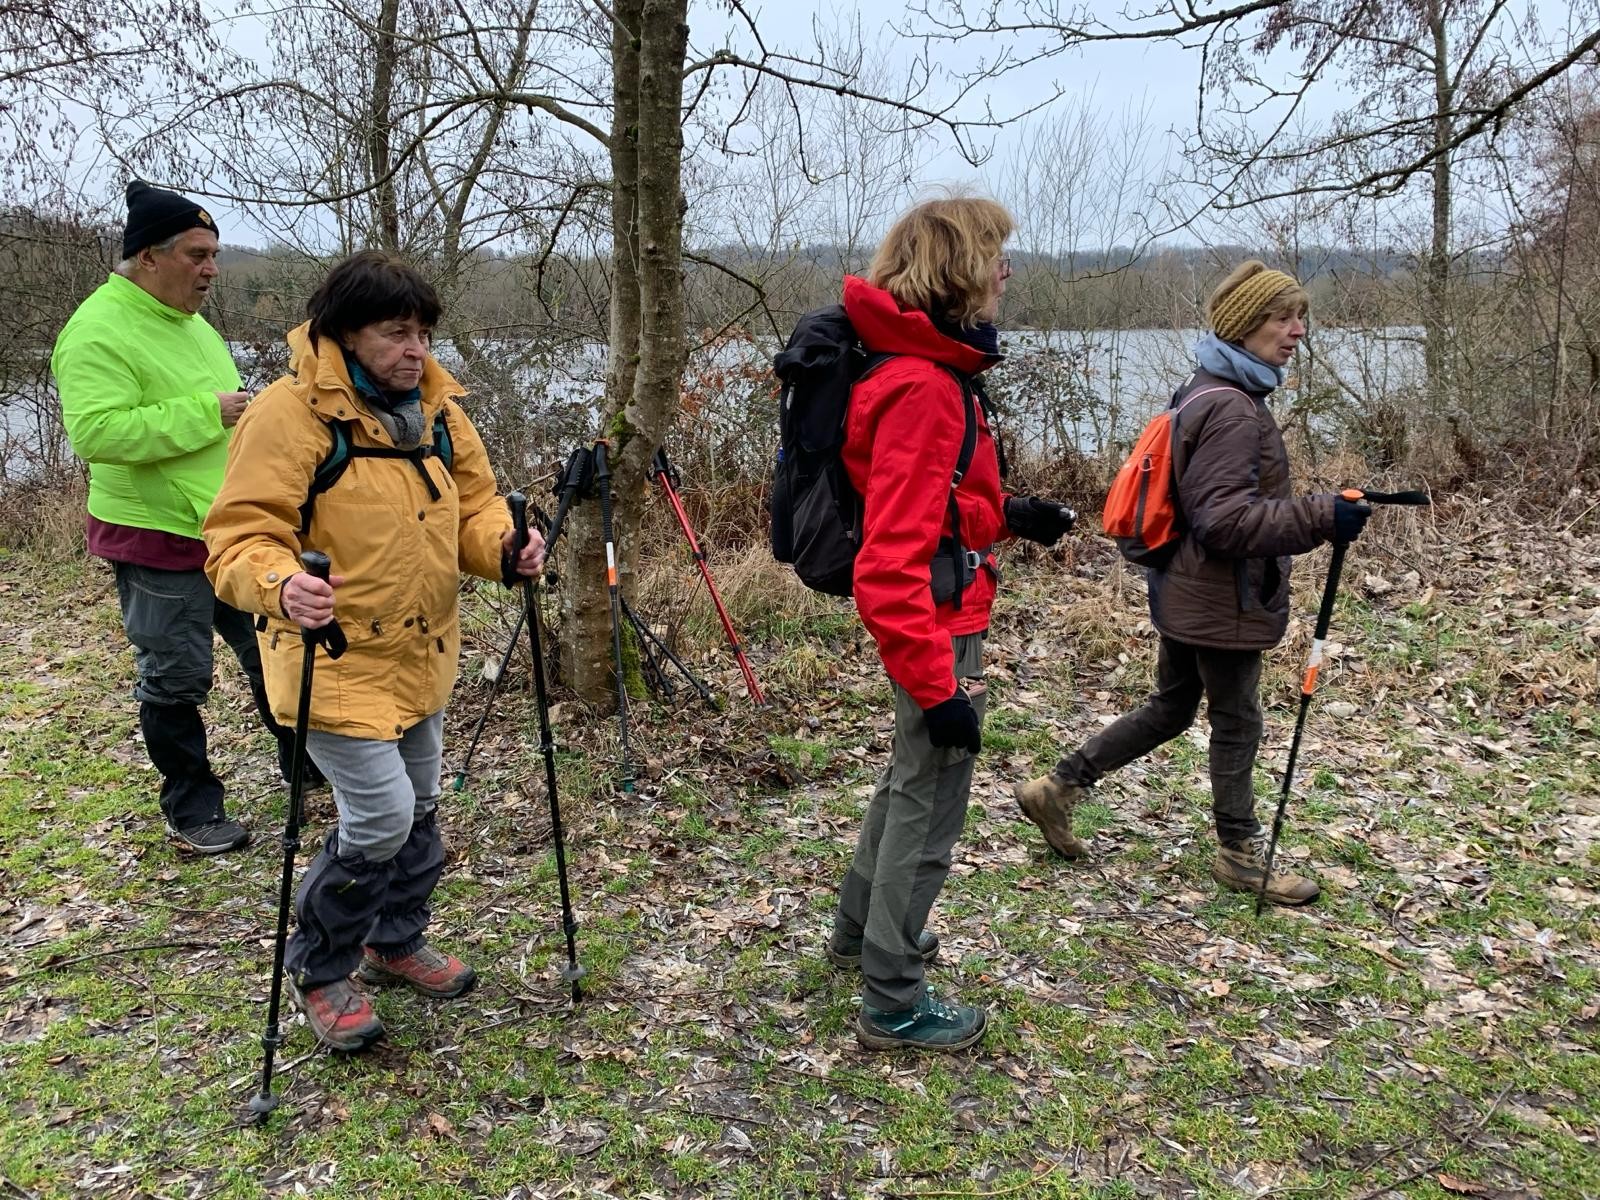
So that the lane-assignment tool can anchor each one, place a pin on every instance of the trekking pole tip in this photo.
(261, 1106)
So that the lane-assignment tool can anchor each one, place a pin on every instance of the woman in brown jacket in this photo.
(1223, 598)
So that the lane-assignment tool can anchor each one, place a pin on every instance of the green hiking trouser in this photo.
(903, 854)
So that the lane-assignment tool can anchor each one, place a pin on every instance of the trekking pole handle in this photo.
(1362, 496)
(316, 564)
(602, 459)
(518, 504)
(660, 467)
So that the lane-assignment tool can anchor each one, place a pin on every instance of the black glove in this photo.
(954, 722)
(1349, 518)
(1042, 521)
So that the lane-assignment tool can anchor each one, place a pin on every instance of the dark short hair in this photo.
(368, 287)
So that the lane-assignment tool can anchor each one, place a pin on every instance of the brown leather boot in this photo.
(1048, 802)
(1239, 867)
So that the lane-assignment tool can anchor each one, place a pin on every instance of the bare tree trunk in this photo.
(1435, 311)
(379, 150)
(661, 339)
(645, 368)
(586, 616)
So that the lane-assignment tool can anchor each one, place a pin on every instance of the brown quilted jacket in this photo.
(1227, 587)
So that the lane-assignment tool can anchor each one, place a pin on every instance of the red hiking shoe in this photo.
(340, 1014)
(426, 970)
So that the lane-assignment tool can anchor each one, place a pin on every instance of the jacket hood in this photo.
(322, 368)
(887, 328)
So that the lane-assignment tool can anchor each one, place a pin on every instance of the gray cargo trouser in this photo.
(371, 883)
(903, 853)
(1230, 680)
(169, 616)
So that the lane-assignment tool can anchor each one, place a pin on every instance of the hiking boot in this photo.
(210, 837)
(426, 970)
(930, 1024)
(340, 1014)
(1048, 802)
(1239, 866)
(848, 956)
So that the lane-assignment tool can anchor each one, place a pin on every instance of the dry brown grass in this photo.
(44, 513)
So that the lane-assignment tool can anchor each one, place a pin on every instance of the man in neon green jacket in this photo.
(149, 395)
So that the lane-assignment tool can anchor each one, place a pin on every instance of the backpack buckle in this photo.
(974, 561)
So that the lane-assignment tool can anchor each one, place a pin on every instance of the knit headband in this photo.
(1238, 312)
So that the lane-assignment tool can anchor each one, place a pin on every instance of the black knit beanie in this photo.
(154, 215)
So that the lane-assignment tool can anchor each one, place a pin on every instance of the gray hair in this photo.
(126, 266)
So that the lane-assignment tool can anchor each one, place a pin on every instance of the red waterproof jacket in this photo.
(903, 434)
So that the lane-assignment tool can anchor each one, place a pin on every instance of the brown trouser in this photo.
(1230, 681)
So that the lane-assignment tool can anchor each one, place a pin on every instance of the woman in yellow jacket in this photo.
(414, 506)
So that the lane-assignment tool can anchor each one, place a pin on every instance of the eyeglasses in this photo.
(1004, 267)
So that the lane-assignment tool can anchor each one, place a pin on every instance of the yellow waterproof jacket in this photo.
(400, 551)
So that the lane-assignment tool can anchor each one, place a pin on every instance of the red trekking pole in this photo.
(667, 476)
(1308, 682)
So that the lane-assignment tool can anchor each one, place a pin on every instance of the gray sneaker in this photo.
(848, 956)
(211, 837)
(930, 1024)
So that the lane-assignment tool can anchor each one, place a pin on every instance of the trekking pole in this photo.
(571, 480)
(333, 639)
(488, 705)
(518, 504)
(602, 476)
(1308, 682)
(666, 475)
(650, 663)
(648, 637)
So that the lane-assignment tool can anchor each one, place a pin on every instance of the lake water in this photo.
(1091, 390)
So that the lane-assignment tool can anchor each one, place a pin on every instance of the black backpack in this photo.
(816, 511)
(344, 449)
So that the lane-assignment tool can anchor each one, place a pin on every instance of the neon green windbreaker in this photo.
(138, 381)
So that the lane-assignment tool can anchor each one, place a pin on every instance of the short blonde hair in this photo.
(940, 257)
(1250, 294)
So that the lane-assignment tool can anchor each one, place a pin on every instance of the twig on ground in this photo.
(1428, 1168)
(281, 1072)
(1005, 1191)
(112, 952)
(721, 1116)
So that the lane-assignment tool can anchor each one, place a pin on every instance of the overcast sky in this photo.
(1161, 78)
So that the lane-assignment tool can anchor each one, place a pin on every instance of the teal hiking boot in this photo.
(848, 955)
(930, 1024)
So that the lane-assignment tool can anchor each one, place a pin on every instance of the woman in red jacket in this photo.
(924, 581)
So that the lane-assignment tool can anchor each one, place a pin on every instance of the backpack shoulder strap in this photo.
(969, 447)
(444, 448)
(343, 449)
(328, 470)
(1180, 401)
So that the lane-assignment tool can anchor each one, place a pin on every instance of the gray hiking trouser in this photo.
(903, 853)
(1230, 680)
(169, 617)
(371, 883)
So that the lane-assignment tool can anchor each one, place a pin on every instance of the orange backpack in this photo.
(1142, 512)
